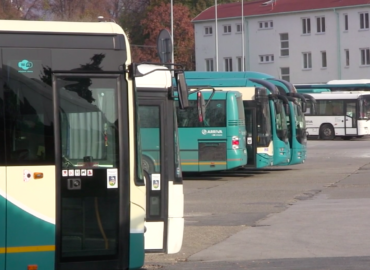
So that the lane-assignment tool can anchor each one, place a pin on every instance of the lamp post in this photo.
(173, 47)
(242, 36)
(216, 35)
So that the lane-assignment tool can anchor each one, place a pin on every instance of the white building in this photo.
(302, 41)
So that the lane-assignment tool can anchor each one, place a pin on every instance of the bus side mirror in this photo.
(201, 105)
(182, 91)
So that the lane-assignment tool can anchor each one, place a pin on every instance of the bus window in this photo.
(364, 108)
(241, 115)
(215, 112)
(29, 130)
(150, 138)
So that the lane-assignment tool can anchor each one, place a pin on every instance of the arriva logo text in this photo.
(213, 132)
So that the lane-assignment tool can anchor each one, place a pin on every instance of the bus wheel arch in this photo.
(147, 164)
(327, 132)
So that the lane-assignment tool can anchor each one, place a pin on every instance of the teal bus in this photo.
(295, 115)
(277, 152)
(216, 142)
(296, 120)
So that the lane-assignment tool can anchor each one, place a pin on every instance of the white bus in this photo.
(339, 114)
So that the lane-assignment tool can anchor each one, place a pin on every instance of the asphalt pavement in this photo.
(311, 216)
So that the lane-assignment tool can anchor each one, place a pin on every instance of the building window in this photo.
(266, 25)
(239, 28)
(227, 29)
(364, 20)
(284, 44)
(267, 58)
(323, 59)
(240, 64)
(345, 22)
(365, 57)
(209, 64)
(284, 74)
(307, 60)
(208, 30)
(320, 21)
(306, 26)
(228, 64)
(346, 52)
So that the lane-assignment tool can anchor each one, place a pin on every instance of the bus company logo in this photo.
(25, 65)
(213, 132)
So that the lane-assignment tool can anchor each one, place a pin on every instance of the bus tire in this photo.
(147, 164)
(327, 132)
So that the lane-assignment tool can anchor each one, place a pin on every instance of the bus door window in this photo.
(351, 114)
(150, 131)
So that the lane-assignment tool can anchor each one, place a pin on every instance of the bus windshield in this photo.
(263, 121)
(215, 115)
(300, 122)
(364, 109)
(281, 125)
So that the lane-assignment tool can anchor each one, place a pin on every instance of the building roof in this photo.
(269, 7)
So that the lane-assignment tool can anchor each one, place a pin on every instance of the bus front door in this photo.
(251, 137)
(164, 209)
(350, 118)
(92, 190)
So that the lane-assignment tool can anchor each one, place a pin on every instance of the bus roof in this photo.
(330, 86)
(228, 82)
(60, 27)
(225, 75)
(313, 90)
(338, 95)
(160, 78)
(360, 81)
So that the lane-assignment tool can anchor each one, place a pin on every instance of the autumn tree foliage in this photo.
(8, 11)
(158, 18)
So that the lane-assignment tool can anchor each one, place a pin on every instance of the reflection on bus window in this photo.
(215, 115)
(150, 138)
(28, 114)
(89, 125)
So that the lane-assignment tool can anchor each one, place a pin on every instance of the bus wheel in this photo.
(327, 132)
(346, 138)
(147, 164)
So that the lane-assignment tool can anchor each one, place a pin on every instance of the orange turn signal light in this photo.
(32, 267)
(38, 175)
